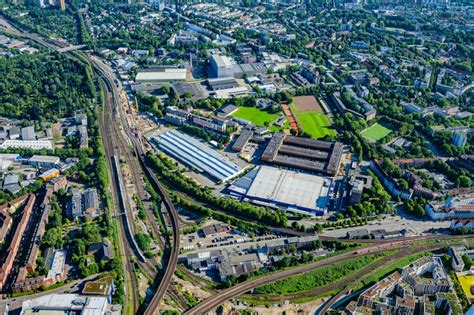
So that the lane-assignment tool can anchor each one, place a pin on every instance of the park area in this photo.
(255, 115)
(467, 281)
(311, 117)
(376, 132)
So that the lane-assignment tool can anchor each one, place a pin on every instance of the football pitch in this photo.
(376, 132)
(314, 123)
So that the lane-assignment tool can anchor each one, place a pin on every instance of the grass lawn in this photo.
(318, 277)
(315, 123)
(285, 126)
(255, 115)
(376, 132)
(466, 282)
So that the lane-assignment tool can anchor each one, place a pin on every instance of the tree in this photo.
(465, 181)
(318, 228)
(143, 241)
(467, 262)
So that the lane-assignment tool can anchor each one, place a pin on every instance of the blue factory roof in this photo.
(197, 155)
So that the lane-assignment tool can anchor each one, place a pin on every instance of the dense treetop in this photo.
(43, 85)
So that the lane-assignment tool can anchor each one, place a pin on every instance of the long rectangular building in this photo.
(162, 75)
(27, 144)
(286, 189)
(304, 153)
(197, 155)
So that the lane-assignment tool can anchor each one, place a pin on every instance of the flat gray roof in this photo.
(289, 188)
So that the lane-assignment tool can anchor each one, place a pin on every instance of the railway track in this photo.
(125, 251)
(105, 127)
(172, 259)
(221, 297)
(127, 215)
(147, 265)
(138, 181)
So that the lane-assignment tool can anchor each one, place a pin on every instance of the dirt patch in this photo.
(307, 103)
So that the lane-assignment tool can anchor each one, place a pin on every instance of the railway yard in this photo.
(237, 203)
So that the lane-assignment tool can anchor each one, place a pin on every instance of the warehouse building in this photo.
(161, 75)
(44, 161)
(69, 304)
(27, 144)
(197, 155)
(222, 66)
(222, 84)
(278, 188)
(313, 155)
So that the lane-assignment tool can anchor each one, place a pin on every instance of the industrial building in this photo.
(44, 160)
(242, 140)
(27, 144)
(197, 155)
(226, 110)
(69, 304)
(286, 189)
(28, 133)
(161, 75)
(182, 117)
(304, 153)
(222, 84)
(222, 66)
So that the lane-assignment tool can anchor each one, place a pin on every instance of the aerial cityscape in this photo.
(236, 157)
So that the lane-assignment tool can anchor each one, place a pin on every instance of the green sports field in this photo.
(255, 115)
(376, 132)
(314, 123)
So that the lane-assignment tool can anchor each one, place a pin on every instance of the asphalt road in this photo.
(397, 223)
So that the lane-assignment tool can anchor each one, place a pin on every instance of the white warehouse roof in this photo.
(169, 74)
(27, 144)
(66, 303)
(293, 190)
(44, 159)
